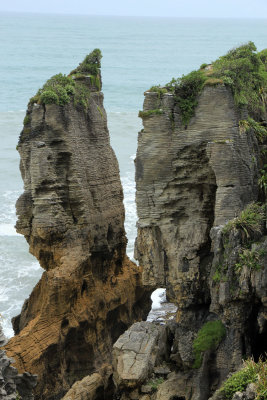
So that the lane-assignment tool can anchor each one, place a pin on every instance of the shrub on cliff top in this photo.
(251, 373)
(57, 90)
(248, 77)
(186, 89)
(60, 89)
(242, 69)
(90, 64)
(208, 338)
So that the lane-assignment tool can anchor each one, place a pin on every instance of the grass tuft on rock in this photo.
(251, 372)
(208, 338)
(250, 221)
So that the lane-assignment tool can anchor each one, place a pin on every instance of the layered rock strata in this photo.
(72, 215)
(13, 384)
(190, 181)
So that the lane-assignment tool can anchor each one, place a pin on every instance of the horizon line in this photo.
(63, 14)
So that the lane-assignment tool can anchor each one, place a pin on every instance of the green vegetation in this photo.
(260, 131)
(159, 90)
(90, 65)
(186, 91)
(245, 71)
(219, 274)
(61, 89)
(250, 258)
(81, 95)
(57, 90)
(100, 111)
(251, 373)
(250, 221)
(242, 69)
(26, 120)
(155, 383)
(263, 177)
(208, 338)
(146, 114)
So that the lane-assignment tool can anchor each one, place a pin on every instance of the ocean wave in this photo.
(8, 230)
(161, 310)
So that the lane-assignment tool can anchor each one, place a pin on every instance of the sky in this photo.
(163, 8)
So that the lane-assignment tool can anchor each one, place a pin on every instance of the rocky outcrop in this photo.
(187, 181)
(13, 384)
(190, 181)
(136, 352)
(72, 215)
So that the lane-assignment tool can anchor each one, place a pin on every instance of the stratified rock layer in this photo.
(13, 384)
(72, 215)
(190, 181)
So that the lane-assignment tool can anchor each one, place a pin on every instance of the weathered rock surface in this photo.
(72, 215)
(135, 353)
(190, 182)
(90, 388)
(13, 384)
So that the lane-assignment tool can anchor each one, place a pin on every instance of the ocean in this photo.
(137, 53)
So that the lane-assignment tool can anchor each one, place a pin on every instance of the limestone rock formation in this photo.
(72, 215)
(187, 181)
(13, 384)
(191, 179)
(135, 354)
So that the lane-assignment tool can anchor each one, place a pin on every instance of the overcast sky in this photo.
(164, 8)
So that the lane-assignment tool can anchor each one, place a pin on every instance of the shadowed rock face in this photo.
(187, 181)
(190, 181)
(13, 384)
(72, 215)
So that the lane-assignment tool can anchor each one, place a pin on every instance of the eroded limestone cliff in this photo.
(72, 215)
(192, 177)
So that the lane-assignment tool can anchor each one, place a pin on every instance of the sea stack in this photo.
(72, 215)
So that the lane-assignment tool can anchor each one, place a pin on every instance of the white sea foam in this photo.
(158, 297)
(130, 212)
(7, 230)
(161, 310)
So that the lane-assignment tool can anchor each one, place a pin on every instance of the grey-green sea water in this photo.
(137, 53)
